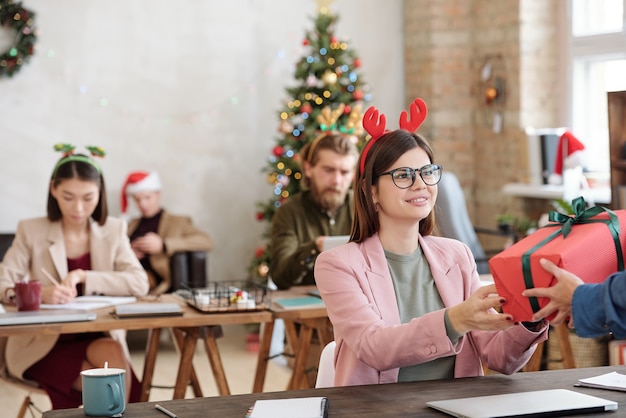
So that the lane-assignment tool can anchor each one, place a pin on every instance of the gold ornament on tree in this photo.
(329, 77)
(323, 6)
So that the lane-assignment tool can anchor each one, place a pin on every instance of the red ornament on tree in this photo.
(333, 39)
(260, 216)
(357, 62)
(357, 95)
(306, 108)
(278, 151)
(347, 109)
(305, 42)
(258, 253)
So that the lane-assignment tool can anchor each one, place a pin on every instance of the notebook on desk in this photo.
(542, 403)
(45, 317)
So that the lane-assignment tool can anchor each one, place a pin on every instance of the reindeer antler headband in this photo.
(375, 122)
(68, 155)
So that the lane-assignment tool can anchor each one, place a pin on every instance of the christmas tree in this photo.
(327, 83)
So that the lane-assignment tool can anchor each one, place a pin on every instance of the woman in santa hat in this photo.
(76, 249)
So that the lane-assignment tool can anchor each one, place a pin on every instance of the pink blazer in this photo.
(372, 344)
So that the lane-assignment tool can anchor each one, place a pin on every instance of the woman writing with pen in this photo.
(76, 249)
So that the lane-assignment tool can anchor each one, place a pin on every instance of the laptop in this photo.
(45, 317)
(333, 241)
(542, 403)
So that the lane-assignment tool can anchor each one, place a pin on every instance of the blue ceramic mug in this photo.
(104, 392)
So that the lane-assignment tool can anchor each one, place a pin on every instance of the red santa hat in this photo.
(569, 154)
(139, 181)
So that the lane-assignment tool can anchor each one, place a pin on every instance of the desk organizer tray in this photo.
(227, 297)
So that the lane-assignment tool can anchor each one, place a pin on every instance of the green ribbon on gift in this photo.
(581, 216)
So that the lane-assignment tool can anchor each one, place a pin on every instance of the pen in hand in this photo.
(165, 411)
(50, 277)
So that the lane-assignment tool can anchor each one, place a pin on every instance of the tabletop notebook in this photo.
(542, 403)
(45, 317)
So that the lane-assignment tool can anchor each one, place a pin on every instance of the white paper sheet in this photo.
(89, 303)
(611, 381)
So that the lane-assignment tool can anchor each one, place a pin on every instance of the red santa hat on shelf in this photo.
(569, 154)
(139, 181)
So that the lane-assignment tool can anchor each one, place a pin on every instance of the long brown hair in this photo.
(380, 157)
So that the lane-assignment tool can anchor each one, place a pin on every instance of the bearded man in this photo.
(324, 208)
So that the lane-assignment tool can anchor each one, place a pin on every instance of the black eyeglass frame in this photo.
(434, 167)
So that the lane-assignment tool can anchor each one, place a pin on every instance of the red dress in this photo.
(57, 371)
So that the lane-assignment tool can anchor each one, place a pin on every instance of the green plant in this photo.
(563, 207)
(520, 226)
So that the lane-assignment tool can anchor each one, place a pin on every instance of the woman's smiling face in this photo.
(401, 205)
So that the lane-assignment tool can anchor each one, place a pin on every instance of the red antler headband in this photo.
(374, 123)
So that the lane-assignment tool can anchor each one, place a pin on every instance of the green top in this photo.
(417, 295)
(295, 226)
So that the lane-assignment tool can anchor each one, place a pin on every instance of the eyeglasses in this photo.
(404, 177)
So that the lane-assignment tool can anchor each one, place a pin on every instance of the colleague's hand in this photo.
(57, 294)
(560, 294)
(477, 312)
(150, 243)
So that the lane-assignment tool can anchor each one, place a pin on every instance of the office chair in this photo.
(453, 221)
(189, 270)
(326, 368)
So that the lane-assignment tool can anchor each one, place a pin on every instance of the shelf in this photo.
(597, 195)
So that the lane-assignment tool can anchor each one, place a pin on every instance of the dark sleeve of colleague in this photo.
(293, 249)
(599, 309)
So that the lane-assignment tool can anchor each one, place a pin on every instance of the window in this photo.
(598, 53)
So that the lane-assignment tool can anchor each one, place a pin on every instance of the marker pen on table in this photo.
(165, 411)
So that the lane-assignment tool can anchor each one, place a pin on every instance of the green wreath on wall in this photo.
(22, 21)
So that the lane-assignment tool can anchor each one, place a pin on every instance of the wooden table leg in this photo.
(291, 335)
(179, 340)
(213, 352)
(152, 347)
(263, 357)
(185, 365)
(324, 331)
(302, 354)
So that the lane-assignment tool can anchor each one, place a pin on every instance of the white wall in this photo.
(189, 88)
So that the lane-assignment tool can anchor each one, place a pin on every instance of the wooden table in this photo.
(309, 320)
(187, 328)
(381, 401)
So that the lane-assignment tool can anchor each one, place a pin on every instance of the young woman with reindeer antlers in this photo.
(406, 305)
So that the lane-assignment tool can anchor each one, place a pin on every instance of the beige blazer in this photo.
(178, 234)
(39, 243)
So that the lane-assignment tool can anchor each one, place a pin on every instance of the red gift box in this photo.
(588, 244)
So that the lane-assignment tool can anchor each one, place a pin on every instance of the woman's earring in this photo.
(376, 206)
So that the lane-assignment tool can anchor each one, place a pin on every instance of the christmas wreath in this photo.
(14, 16)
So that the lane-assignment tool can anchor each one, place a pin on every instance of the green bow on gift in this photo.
(566, 222)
